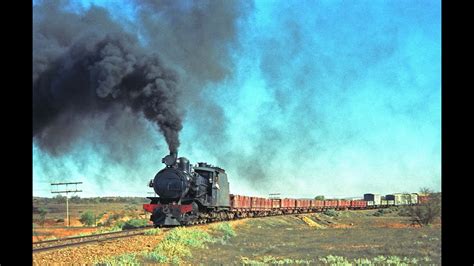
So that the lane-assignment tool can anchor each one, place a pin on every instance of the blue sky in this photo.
(328, 97)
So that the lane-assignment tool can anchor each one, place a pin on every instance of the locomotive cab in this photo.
(218, 185)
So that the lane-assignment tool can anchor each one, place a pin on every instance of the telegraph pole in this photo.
(66, 190)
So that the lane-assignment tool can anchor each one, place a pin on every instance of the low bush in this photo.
(227, 229)
(155, 257)
(134, 223)
(427, 212)
(42, 213)
(177, 244)
(382, 212)
(88, 218)
(331, 212)
(107, 230)
(119, 224)
(334, 260)
(113, 218)
(379, 260)
(270, 260)
(153, 232)
(404, 211)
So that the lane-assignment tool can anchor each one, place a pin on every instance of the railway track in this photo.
(83, 240)
(61, 243)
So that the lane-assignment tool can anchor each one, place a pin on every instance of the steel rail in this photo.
(82, 240)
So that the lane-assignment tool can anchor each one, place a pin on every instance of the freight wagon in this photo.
(330, 204)
(303, 204)
(317, 204)
(239, 202)
(413, 198)
(343, 204)
(399, 198)
(288, 205)
(358, 204)
(372, 199)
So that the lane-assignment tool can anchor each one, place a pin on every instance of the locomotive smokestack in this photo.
(170, 159)
(174, 154)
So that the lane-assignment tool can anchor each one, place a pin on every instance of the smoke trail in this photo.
(87, 63)
(96, 74)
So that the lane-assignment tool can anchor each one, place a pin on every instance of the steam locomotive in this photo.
(198, 194)
(188, 194)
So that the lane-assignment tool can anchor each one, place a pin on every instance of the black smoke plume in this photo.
(94, 75)
(86, 64)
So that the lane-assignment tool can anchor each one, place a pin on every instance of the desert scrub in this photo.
(100, 231)
(155, 257)
(189, 237)
(177, 244)
(270, 260)
(379, 260)
(331, 212)
(381, 212)
(125, 259)
(117, 227)
(334, 260)
(134, 223)
(108, 230)
(227, 229)
(394, 260)
(404, 211)
(152, 232)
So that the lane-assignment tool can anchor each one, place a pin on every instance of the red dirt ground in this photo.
(60, 232)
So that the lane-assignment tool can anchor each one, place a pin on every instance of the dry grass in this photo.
(288, 238)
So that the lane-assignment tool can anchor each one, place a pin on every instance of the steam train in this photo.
(198, 194)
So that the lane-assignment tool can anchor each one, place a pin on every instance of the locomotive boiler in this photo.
(187, 194)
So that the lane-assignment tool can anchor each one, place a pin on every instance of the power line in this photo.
(67, 183)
